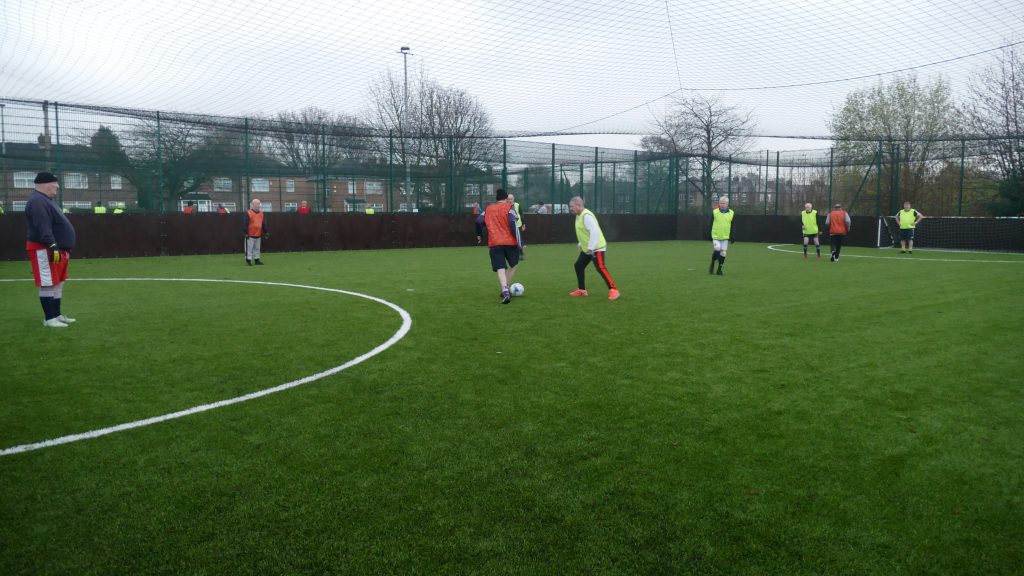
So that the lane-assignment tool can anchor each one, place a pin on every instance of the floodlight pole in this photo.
(404, 51)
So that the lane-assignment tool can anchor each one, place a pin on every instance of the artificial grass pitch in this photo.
(790, 417)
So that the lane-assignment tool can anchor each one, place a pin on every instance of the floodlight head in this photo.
(404, 49)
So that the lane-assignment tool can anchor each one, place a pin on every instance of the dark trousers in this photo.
(836, 241)
(581, 267)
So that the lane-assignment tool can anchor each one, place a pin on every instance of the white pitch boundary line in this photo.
(402, 331)
(777, 248)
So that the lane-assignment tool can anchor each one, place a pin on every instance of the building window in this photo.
(222, 184)
(229, 205)
(374, 188)
(403, 207)
(351, 187)
(79, 204)
(19, 205)
(24, 180)
(289, 186)
(75, 181)
(261, 184)
(291, 206)
(266, 206)
(115, 182)
(377, 205)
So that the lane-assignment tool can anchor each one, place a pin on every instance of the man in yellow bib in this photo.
(908, 219)
(592, 248)
(721, 229)
(809, 228)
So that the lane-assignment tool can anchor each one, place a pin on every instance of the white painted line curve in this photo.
(398, 335)
(778, 248)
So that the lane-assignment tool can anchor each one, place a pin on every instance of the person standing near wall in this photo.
(809, 228)
(721, 229)
(255, 232)
(520, 224)
(839, 224)
(908, 219)
(303, 207)
(49, 240)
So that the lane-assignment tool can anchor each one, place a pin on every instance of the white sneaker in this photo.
(65, 319)
(54, 323)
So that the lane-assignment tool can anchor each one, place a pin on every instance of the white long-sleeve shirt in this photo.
(590, 223)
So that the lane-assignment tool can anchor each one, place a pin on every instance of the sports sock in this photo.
(818, 250)
(721, 262)
(805, 249)
(47, 303)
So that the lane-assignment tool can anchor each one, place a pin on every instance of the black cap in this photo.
(45, 177)
(500, 194)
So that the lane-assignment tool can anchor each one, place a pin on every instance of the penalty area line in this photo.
(778, 248)
(398, 335)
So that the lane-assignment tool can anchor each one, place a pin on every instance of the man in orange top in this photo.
(838, 223)
(303, 207)
(502, 238)
(189, 208)
(255, 232)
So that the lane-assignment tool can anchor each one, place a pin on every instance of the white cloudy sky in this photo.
(537, 65)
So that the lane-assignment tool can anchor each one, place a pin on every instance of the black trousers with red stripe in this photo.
(581, 267)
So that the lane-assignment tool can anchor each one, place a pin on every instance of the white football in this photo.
(516, 289)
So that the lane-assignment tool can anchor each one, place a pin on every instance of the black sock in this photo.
(715, 256)
(818, 250)
(56, 306)
(47, 303)
(805, 249)
(721, 262)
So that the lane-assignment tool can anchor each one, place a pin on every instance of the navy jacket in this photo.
(46, 223)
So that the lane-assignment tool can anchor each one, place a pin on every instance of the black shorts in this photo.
(810, 236)
(906, 233)
(501, 254)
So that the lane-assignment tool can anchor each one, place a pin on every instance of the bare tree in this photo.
(996, 109)
(704, 126)
(909, 118)
(311, 139)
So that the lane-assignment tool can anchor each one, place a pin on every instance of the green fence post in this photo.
(636, 166)
(614, 189)
(159, 163)
(686, 186)
(552, 178)
(776, 182)
(728, 186)
(963, 155)
(245, 154)
(597, 182)
(504, 163)
(323, 165)
(581, 182)
(391, 171)
(767, 164)
(675, 187)
(895, 193)
(878, 182)
(451, 167)
(57, 166)
(831, 159)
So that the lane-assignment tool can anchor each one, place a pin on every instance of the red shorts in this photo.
(45, 272)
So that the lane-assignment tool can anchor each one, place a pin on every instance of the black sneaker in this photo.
(720, 272)
(506, 297)
(711, 269)
(910, 252)
(903, 251)
(258, 262)
(248, 262)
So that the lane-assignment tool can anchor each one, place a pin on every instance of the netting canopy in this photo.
(537, 66)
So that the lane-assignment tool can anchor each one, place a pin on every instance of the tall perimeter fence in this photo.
(157, 162)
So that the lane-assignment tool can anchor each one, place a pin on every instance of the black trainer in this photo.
(506, 297)
(720, 272)
(258, 262)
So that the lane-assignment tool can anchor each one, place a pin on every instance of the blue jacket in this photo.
(46, 223)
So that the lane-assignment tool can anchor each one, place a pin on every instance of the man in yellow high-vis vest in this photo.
(592, 249)
(809, 228)
(721, 230)
(908, 218)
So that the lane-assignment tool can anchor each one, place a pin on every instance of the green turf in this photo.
(791, 417)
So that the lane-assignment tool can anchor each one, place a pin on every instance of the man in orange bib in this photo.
(255, 232)
(502, 239)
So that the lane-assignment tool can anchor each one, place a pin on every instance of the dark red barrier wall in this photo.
(123, 235)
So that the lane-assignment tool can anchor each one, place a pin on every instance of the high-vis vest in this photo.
(519, 216)
(837, 222)
(496, 220)
(810, 220)
(907, 218)
(255, 224)
(583, 235)
(722, 226)
(99, 210)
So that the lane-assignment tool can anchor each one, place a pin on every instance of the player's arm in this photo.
(479, 224)
(245, 230)
(919, 217)
(591, 225)
(513, 225)
(40, 217)
(849, 222)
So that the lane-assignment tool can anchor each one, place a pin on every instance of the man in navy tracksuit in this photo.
(49, 240)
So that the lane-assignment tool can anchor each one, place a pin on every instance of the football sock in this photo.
(47, 303)
(818, 250)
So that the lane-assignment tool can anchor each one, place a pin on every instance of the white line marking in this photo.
(776, 248)
(402, 331)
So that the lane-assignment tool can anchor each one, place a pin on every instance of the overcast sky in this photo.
(536, 65)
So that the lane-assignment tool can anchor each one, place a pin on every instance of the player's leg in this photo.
(817, 246)
(724, 244)
(581, 270)
(715, 254)
(805, 247)
(602, 269)
(256, 244)
(512, 256)
(910, 242)
(248, 250)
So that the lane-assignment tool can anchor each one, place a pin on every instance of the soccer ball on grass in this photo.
(516, 289)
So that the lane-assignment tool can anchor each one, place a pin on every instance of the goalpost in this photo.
(957, 233)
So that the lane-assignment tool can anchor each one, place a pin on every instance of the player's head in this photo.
(511, 197)
(255, 204)
(576, 205)
(304, 204)
(723, 201)
(500, 195)
(906, 205)
(838, 206)
(46, 182)
(808, 206)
